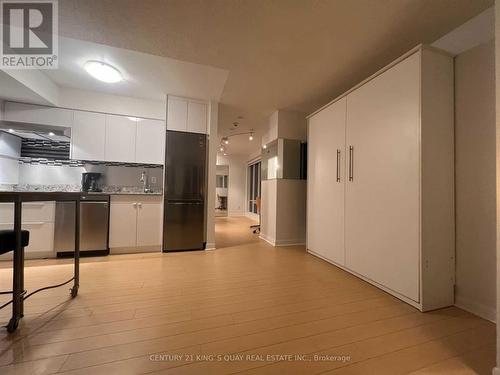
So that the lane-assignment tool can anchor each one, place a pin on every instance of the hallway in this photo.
(233, 231)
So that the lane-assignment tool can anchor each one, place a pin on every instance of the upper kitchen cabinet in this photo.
(37, 114)
(150, 142)
(120, 141)
(187, 115)
(177, 114)
(88, 136)
(197, 117)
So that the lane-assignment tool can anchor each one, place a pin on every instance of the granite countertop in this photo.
(125, 193)
(107, 190)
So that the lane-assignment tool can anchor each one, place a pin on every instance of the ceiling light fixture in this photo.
(103, 72)
(250, 138)
(11, 130)
(264, 147)
(225, 140)
(221, 149)
(51, 134)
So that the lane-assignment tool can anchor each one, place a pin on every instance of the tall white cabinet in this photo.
(380, 181)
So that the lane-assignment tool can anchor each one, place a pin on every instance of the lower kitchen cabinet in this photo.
(38, 219)
(135, 223)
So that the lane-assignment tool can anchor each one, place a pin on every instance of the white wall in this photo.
(475, 180)
(268, 211)
(221, 170)
(212, 166)
(291, 212)
(283, 211)
(497, 106)
(236, 196)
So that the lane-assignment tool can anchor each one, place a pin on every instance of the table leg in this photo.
(18, 277)
(76, 284)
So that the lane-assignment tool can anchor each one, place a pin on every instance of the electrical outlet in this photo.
(153, 180)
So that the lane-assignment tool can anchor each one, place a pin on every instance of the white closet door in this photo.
(382, 200)
(326, 182)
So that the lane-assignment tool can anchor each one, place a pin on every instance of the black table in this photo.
(18, 198)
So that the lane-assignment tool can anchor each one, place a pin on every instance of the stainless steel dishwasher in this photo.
(94, 227)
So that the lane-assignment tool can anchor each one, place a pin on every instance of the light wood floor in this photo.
(250, 300)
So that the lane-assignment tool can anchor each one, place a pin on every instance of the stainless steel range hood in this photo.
(36, 131)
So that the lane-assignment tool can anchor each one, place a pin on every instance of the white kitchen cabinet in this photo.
(88, 136)
(38, 219)
(197, 117)
(38, 114)
(150, 142)
(326, 179)
(136, 223)
(149, 222)
(399, 180)
(120, 141)
(187, 115)
(122, 222)
(177, 109)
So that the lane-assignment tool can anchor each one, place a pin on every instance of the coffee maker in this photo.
(90, 182)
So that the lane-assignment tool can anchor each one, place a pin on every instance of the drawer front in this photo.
(41, 236)
(32, 212)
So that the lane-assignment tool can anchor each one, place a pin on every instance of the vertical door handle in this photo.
(134, 204)
(338, 165)
(140, 205)
(351, 163)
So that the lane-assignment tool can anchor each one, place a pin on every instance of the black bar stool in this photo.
(8, 244)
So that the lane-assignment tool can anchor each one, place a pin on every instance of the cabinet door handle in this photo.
(338, 165)
(139, 204)
(134, 204)
(351, 163)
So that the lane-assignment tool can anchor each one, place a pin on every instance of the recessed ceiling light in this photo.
(265, 146)
(103, 72)
(221, 149)
(51, 134)
(11, 130)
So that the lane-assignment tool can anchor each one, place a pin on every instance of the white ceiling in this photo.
(146, 76)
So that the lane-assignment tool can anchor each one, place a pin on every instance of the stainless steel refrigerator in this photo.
(185, 192)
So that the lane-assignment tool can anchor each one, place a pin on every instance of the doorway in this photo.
(221, 190)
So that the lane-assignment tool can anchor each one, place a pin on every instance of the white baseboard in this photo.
(485, 312)
(293, 242)
(210, 246)
(279, 243)
(269, 240)
(236, 213)
(496, 371)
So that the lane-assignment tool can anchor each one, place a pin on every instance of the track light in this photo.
(226, 141)
(221, 149)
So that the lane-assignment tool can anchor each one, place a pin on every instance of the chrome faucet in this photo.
(145, 182)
